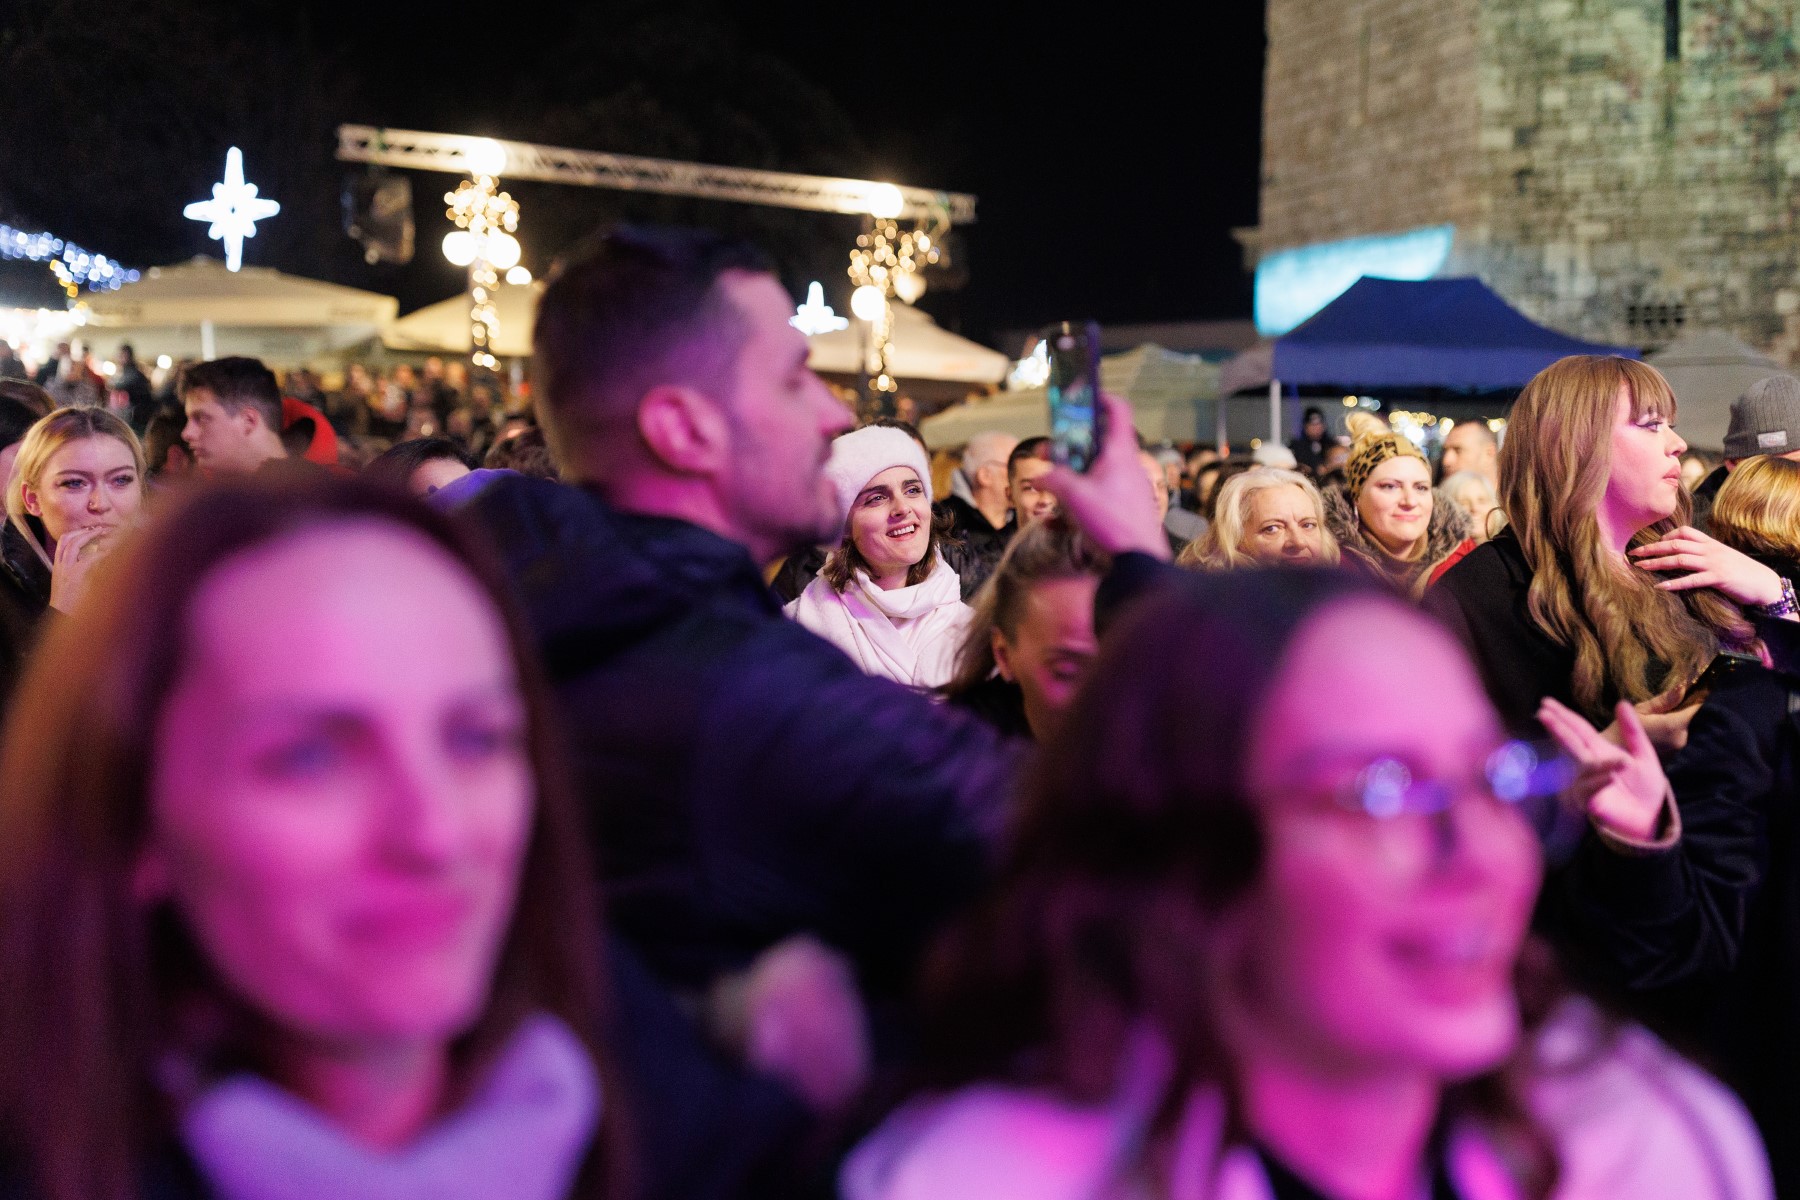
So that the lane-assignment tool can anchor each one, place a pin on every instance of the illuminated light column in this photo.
(483, 241)
(885, 264)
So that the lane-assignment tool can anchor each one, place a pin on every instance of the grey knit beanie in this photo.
(1765, 419)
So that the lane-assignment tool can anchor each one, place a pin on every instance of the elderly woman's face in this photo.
(1376, 942)
(890, 522)
(342, 792)
(1281, 527)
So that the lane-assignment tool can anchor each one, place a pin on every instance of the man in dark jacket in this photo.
(745, 782)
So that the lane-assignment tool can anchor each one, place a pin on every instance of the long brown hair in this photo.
(95, 990)
(1135, 834)
(1631, 641)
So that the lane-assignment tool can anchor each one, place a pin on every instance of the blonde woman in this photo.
(1758, 512)
(1387, 521)
(1476, 496)
(1267, 517)
(1571, 601)
(76, 485)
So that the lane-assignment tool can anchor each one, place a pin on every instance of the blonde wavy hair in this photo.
(1631, 641)
(1221, 547)
(40, 444)
(1758, 509)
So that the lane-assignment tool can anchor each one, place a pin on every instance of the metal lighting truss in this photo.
(459, 154)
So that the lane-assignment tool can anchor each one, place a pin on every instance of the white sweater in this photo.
(1631, 1120)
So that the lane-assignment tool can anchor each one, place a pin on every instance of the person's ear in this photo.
(685, 429)
(32, 504)
(1002, 655)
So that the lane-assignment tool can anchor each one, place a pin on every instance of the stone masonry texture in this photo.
(1601, 184)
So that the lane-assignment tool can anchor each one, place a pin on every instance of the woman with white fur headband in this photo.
(885, 596)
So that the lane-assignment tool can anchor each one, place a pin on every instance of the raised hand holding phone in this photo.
(1109, 501)
(1077, 420)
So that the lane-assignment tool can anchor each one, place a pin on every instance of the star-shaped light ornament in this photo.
(234, 210)
(815, 316)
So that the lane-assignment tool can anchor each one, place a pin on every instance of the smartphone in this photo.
(1716, 672)
(1077, 422)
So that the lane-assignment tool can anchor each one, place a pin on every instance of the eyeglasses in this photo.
(1517, 774)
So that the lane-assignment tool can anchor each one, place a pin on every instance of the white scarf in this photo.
(523, 1135)
(910, 634)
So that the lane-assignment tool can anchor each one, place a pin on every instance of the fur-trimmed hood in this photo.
(1450, 528)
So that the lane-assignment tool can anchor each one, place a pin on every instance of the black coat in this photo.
(976, 545)
(745, 780)
(1483, 601)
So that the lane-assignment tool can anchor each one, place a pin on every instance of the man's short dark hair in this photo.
(636, 308)
(237, 382)
(1031, 447)
(1487, 432)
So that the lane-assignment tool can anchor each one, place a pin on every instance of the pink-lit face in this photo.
(1049, 653)
(890, 522)
(1372, 944)
(1643, 482)
(783, 419)
(342, 793)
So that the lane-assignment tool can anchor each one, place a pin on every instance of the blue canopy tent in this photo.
(1390, 334)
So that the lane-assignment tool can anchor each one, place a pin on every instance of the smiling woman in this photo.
(1251, 939)
(885, 596)
(1388, 522)
(291, 876)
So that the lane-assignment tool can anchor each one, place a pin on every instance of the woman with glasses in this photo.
(1255, 939)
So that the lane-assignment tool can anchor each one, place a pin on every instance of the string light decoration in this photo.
(483, 241)
(886, 263)
(73, 267)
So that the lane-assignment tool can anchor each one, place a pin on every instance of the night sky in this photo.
(1112, 155)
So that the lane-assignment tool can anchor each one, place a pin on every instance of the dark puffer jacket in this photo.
(745, 781)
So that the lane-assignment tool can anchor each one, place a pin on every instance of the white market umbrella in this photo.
(919, 350)
(1708, 370)
(199, 308)
(443, 328)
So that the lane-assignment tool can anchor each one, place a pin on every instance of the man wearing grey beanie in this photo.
(1764, 420)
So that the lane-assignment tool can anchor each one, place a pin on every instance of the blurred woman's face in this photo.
(890, 522)
(91, 481)
(1480, 508)
(1049, 652)
(1281, 527)
(342, 792)
(1374, 943)
(1395, 505)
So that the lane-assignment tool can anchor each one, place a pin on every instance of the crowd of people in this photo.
(716, 800)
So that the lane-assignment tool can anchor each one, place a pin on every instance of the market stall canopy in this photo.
(443, 328)
(921, 350)
(1171, 398)
(1455, 334)
(201, 289)
(1708, 370)
(285, 319)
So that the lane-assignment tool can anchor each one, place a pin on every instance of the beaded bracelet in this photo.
(1787, 606)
